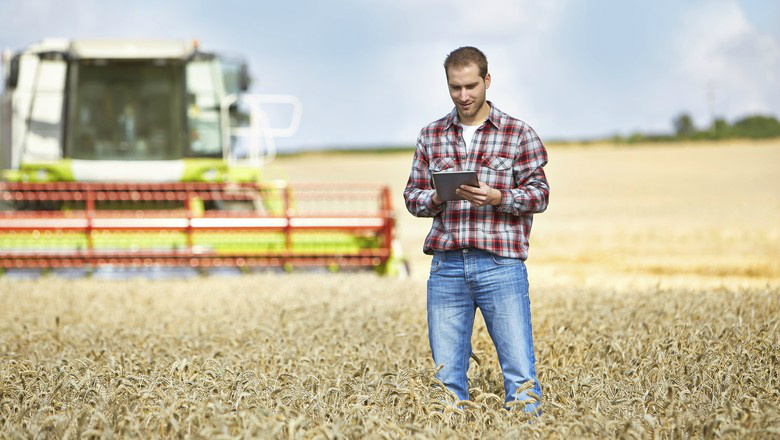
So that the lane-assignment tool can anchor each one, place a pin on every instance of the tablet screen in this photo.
(446, 182)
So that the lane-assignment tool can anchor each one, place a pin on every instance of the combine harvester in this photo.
(128, 155)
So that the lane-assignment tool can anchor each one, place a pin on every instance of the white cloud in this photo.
(27, 21)
(512, 34)
(719, 47)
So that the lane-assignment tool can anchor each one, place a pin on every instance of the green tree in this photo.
(720, 129)
(757, 126)
(683, 126)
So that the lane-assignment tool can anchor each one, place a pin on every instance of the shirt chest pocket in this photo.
(496, 172)
(441, 164)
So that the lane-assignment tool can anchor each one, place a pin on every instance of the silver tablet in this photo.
(446, 182)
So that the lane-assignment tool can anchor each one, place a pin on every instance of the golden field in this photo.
(655, 289)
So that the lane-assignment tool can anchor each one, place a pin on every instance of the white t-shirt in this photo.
(468, 134)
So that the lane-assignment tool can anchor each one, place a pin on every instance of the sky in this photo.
(369, 72)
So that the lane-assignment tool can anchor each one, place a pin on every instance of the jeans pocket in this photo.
(435, 264)
(504, 261)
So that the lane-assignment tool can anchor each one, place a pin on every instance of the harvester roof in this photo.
(117, 49)
(130, 49)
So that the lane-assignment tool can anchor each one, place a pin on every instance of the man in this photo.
(479, 244)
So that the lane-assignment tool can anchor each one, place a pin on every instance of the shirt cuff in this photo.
(507, 200)
(434, 209)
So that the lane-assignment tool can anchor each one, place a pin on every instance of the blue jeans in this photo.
(463, 280)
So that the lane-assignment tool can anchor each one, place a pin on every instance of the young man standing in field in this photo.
(479, 244)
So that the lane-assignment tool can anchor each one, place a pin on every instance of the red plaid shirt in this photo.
(507, 155)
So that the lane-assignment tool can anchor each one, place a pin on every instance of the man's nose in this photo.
(463, 95)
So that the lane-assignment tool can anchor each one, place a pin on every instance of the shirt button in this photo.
(463, 157)
(465, 251)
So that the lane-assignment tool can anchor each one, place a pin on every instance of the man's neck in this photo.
(478, 118)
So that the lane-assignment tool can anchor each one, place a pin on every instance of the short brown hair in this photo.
(465, 56)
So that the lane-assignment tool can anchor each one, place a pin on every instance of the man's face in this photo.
(467, 89)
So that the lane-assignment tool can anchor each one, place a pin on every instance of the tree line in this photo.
(748, 127)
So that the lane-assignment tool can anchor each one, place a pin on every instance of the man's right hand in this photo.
(436, 200)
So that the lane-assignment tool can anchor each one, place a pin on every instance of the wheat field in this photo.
(655, 292)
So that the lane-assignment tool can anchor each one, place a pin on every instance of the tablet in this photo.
(446, 182)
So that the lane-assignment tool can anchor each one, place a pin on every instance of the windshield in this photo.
(126, 110)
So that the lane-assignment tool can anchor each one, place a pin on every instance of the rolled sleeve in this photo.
(531, 195)
(418, 194)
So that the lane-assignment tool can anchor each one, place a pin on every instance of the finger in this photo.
(485, 187)
(471, 189)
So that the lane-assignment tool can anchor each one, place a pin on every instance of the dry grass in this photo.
(655, 286)
(330, 356)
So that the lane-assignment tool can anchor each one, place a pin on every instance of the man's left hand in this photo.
(480, 196)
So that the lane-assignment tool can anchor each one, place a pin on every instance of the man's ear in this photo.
(487, 80)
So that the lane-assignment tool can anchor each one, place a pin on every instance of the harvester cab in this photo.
(151, 154)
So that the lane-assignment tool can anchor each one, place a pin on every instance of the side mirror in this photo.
(235, 74)
(13, 73)
(244, 79)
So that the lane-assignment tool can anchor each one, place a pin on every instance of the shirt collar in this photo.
(494, 117)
